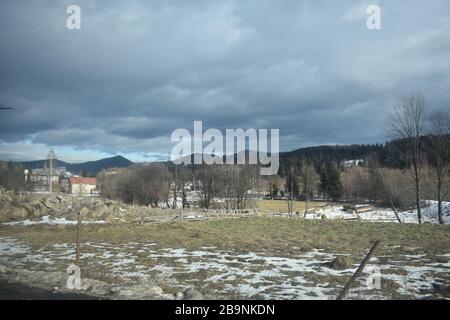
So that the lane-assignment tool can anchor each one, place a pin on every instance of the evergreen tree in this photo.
(330, 181)
(323, 174)
(334, 180)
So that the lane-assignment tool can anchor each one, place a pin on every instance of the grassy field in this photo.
(250, 234)
(282, 205)
(230, 244)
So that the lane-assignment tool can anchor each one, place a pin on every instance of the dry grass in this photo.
(282, 205)
(252, 234)
(271, 236)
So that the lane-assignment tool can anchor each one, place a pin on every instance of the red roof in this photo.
(81, 180)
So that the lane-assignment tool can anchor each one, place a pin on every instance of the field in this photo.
(250, 257)
(282, 205)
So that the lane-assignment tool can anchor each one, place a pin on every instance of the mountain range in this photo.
(91, 168)
(388, 154)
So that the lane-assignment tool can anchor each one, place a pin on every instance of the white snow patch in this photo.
(50, 221)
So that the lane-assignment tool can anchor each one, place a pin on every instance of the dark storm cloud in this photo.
(137, 70)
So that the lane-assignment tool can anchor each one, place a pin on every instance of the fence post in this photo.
(77, 255)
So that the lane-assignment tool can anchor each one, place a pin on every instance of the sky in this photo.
(138, 70)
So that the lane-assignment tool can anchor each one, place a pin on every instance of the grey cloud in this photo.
(139, 69)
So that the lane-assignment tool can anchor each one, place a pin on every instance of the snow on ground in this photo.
(304, 276)
(429, 214)
(50, 221)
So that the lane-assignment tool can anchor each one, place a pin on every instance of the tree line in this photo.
(161, 184)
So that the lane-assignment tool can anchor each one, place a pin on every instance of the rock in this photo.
(4, 215)
(92, 285)
(126, 292)
(441, 289)
(7, 198)
(114, 290)
(341, 262)
(192, 294)
(3, 270)
(57, 213)
(155, 290)
(18, 214)
(179, 296)
(40, 212)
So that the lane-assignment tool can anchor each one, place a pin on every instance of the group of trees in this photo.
(227, 186)
(147, 184)
(409, 124)
(414, 166)
(161, 184)
(320, 155)
(305, 182)
(12, 176)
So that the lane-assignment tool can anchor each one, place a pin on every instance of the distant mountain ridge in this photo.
(90, 167)
(315, 155)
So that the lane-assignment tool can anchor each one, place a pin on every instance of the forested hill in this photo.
(392, 154)
(91, 168)
(327, 154)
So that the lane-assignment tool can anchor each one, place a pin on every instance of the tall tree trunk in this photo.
(419, 210)
(439, 198)
(306, 207)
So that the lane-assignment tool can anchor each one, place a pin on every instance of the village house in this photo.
(80, 185)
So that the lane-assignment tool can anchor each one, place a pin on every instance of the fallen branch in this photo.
(358, 271)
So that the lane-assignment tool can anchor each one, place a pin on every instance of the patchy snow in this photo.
(304, 276)
(50, 221)
(429, 214)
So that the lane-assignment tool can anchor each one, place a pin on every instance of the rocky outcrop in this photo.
(18, 207)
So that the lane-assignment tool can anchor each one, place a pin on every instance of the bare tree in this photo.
(381, 183)
(145, 184)
(183, 178)
(439, 137)
(207, 181)
(355, 183)
(274, 185)
(407, 124)
(309, 179)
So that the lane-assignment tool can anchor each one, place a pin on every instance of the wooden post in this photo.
(77, 255)
(142, 217)
(358, 271)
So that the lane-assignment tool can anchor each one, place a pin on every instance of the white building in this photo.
(80, 185)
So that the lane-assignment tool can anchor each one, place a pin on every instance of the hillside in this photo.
(91, 167)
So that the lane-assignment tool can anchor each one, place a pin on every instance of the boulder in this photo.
(341, 262)
(192, 294)
(39, 211)
(18, 214)
(4, 215)
(179, 296)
